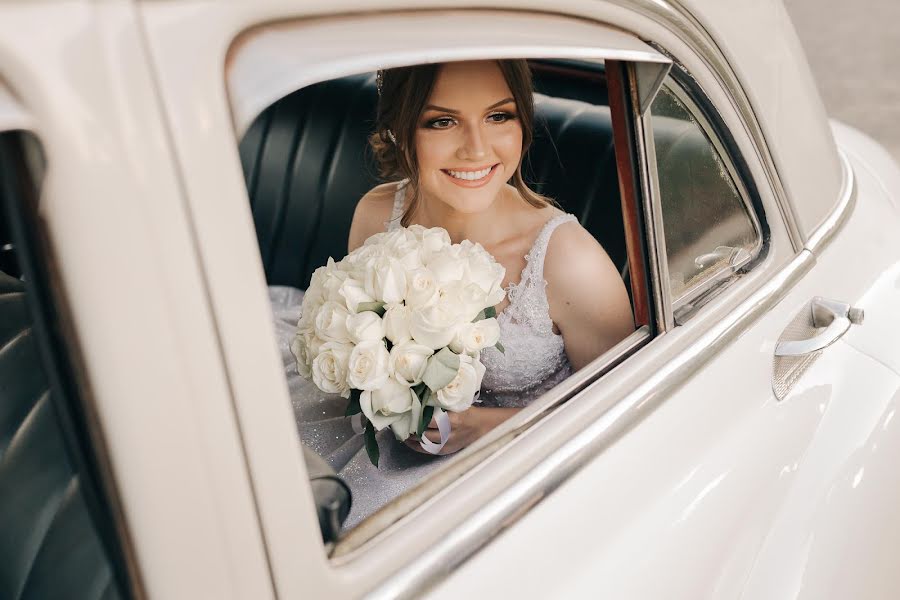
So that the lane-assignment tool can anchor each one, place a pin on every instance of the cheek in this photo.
(432, 150)
(508, 146)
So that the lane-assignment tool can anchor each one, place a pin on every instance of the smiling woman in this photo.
(450, 138)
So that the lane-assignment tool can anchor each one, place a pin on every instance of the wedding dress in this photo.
(533, 362)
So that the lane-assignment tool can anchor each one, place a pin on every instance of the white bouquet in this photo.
(397, 327)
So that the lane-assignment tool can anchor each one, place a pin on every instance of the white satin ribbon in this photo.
(443, 423)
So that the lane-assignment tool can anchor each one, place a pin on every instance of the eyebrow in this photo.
(456, 112)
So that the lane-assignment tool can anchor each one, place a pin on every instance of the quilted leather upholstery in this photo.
(306, 164)
(48, 545)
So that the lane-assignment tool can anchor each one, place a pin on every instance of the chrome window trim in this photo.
(687, 302)
(654, 234)
(824, 233)
(672, 15)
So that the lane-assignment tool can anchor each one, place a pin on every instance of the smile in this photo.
(471, 178)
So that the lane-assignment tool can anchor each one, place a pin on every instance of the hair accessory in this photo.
(390, 135)
(379, 80)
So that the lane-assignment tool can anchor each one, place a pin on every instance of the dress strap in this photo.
(535, 257)
(397, 210)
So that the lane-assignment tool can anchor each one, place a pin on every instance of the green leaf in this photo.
(353, 406)
(375, 307)
(441, 369)
(427, 413)
(489, 313)
(500, 347)
(371, 443)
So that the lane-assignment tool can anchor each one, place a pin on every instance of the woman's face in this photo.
(468, 139)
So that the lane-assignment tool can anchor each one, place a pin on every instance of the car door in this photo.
(723, 487)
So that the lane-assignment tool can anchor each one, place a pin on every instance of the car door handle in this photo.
(836, 317)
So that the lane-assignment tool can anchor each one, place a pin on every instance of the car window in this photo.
(307, 160)
(709, 228)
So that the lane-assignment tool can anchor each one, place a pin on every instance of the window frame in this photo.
(353, 548)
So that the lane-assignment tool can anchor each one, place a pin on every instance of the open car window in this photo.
(307, 163)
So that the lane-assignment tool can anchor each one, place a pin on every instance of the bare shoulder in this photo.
(372, 210)
(588, 300)
(573, 254)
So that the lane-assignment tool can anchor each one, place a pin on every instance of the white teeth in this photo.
(470, 175)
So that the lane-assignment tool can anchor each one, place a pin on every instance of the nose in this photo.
(473, 146)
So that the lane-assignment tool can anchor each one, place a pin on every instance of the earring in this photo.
(391, 137)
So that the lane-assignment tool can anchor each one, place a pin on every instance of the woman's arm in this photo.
(588, 300)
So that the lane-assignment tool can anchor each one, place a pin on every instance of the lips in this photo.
(471, 177)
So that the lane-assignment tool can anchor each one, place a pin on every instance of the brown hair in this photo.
(404, 94)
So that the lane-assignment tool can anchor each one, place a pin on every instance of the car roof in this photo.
(762, 48)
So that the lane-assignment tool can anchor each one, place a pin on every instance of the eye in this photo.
(440, 123)
(500, 117)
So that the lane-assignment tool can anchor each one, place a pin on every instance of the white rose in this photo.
(474, 337)
(368, 365)
(329, 368)
(386, 280)
(421, 288)
(331, 279)
(468, 298)
(459, 394)
(434, 326)
(486, 273)
(361, 260)
(331, 322)
(364, 326)
(403, 245)
(396, 324)
(408, 362)
(305, 347)
(447, 265)
(393, 405)
(353, 293)
(431, 240)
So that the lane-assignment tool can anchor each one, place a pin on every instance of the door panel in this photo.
(723, 491)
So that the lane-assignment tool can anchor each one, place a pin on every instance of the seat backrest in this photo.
(307, 164)
(49, 546)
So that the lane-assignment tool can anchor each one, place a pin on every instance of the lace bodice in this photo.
(534, 359)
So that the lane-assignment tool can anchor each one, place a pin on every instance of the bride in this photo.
(454, 136)
(450, 140)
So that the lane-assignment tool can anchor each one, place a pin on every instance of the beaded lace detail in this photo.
(534, 359)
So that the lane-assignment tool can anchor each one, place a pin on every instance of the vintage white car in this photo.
(163, 162)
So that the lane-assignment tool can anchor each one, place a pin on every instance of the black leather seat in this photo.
(306, 164)
(49, 546)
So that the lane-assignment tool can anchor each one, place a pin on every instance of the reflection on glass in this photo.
(707, 226)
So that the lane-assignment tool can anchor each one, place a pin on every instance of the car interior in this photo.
(306, 162)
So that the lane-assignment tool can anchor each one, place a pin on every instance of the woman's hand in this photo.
(465, 428)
